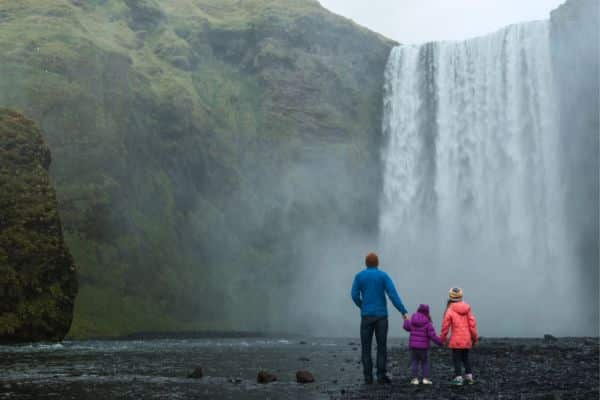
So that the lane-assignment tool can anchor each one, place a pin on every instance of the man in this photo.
(368, 292)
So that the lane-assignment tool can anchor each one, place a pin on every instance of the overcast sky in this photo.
(418, 21)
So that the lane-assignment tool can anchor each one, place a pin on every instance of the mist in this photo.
(502, 201)
(228, 168)
(576, 67)
(271, 227)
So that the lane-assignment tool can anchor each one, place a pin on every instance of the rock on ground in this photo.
(265, 377)
(304, 377)
(197, 373)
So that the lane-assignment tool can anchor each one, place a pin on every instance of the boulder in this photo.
(265, 377)
(304, 377)
(197, 373)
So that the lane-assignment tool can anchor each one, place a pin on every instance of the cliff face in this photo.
(197, 145)
(576, 57)
(37, 275)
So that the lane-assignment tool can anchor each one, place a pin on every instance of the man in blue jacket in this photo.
(368, 292)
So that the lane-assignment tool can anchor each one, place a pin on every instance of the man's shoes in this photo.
(368, 380)
(427, 382)
(469, 379)
(384, 380)
(414, 381)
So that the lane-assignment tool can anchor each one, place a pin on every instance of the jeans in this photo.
(459, 357)
(378, 325)
(419, 356)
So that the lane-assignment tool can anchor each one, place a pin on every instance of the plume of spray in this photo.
(472, 194)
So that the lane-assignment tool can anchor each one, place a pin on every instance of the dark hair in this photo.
(371, 260)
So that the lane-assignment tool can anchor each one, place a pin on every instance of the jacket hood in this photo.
(423, 309)
(460, 307)
(419, 319)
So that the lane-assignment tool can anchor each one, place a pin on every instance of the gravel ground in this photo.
(158, 369)
(503, 368)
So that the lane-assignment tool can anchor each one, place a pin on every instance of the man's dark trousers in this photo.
(379, 325)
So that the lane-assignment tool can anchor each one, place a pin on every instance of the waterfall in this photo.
(472, 194)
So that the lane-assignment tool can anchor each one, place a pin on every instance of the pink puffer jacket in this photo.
(460, 320)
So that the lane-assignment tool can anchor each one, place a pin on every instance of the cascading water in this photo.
(471, 192)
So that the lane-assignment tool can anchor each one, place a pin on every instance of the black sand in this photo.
(159, 369)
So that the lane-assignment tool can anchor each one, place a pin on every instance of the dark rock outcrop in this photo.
(37, 275)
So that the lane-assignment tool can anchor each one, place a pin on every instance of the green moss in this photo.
(37, 275)
(183, 134)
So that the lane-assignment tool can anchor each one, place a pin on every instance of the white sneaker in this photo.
(469, 379)
(458, 381)
(414, 381)
(427, 382)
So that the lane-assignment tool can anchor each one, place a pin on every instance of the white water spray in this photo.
(471, 192)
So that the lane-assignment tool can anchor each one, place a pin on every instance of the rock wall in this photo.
(38, 280)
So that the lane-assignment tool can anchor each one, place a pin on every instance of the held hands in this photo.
(405, 316)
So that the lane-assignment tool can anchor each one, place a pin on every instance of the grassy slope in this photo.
(182, 136)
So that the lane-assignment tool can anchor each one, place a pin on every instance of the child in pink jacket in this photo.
(459, 319)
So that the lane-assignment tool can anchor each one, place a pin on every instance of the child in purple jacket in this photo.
(421, 332)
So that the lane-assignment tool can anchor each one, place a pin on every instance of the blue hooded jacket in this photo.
(368, 292)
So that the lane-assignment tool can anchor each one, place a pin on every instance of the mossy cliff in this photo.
(197, 145)
(37, 276)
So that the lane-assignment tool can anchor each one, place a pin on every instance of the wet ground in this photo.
(158, 369)
(504, 369)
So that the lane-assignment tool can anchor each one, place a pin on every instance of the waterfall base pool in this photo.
(158, 369)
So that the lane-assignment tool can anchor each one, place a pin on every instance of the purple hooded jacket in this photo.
(421, 329)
